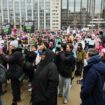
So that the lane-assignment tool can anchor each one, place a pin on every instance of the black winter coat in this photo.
(15, 65)
(44, 86)
(3, 60)
(66, 64)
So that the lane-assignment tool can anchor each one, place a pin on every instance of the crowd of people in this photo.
(50, 63)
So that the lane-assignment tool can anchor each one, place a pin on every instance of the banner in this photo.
(28, 27)
(6, 29)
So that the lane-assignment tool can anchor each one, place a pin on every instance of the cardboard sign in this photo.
(28, 27)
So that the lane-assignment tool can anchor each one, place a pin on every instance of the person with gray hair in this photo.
(92, 52)
(93, 79)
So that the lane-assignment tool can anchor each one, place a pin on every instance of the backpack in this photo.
(2, 73)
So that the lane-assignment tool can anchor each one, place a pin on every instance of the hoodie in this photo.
(93, 82)
(45, 82)
(93, 60)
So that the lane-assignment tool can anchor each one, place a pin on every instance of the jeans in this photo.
(64, 82)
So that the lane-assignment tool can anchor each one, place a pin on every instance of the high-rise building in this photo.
(51, 14)
(44, 13)
(78, 13)
(55, 14)
(103, 9)
(74, 13)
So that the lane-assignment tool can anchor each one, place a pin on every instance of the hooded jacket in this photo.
(15, 65)
(45, 82)
(93, 81)
(66, 64)
(93, 60)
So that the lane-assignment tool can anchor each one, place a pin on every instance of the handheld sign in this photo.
(6, 29)
(28, 27)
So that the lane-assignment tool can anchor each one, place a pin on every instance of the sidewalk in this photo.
(74, 96)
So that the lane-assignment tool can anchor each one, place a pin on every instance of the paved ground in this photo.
(74, 96)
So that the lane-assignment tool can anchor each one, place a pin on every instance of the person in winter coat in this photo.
(66, 67)
(103, 62)
(93, 80)
(3, 61)
(80, 59)
(1, 53)
(29, 67)
(15, 71)
(45, 82)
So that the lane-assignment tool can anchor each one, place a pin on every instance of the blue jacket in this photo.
(93, 80)
(94, 60)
